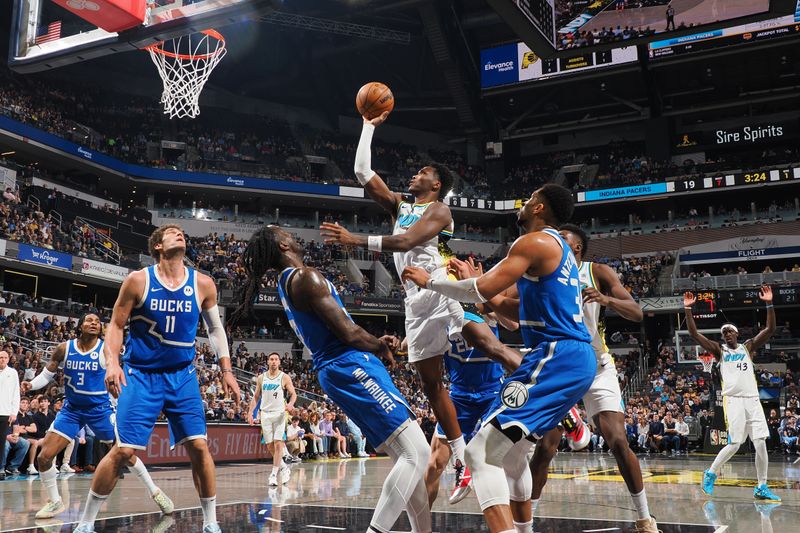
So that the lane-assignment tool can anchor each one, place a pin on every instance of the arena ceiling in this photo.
(434, 72)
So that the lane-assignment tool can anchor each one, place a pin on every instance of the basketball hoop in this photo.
(707, 362)
(185, 64)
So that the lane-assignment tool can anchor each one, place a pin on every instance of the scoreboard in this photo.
(749, 297)
(737, 179)
(706, 305)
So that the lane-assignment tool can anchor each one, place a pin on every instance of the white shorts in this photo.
(604, 393)
(744, 417)
(431, 321)
(273, 426)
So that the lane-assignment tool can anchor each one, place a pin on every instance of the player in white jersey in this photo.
(744, 416)
(601, 290)
(419, 239)
(269, 389)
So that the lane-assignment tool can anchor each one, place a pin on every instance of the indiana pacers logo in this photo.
(514, 394)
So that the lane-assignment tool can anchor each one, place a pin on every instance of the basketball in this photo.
(374, 98)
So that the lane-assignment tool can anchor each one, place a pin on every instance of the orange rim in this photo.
(158, 48)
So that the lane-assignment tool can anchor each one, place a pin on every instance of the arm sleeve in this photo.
(363, 163)
(465, 290)
(42, 379)
(216, 333)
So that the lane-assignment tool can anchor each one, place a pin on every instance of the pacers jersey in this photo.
(593, 313)
(272, 398)
(468, 368)
(324, 345)
(551, 307)
(163, 325)
(431, 255)
(84, 376)
(738, 374)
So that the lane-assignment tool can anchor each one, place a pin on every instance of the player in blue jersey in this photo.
(349, 371)
(553, 376)
(164, 303)
(475, 381)
(87, 403)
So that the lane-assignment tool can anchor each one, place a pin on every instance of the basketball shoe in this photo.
(463, 483)
(577, 433)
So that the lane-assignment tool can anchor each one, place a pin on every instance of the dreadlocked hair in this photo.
(262, 254)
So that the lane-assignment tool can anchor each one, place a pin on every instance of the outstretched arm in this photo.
(49, 371)
(435, 219)
(309, 292)
(708, 345)
(612, 294)
(217, 336)
(375, 187)
(765, 294)
(479, 290)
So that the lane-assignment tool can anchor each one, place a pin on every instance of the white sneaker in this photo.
(273, 479)
(163, 502)
(286, 475)
(51, 509)
(363, 454)
(66, 469)
(32, 470)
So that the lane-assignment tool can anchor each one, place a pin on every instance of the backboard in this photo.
(45, 35)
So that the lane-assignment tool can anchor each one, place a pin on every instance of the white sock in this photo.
(523, 527)
(93, 504)
(723, 457)
(275, 468)
(640, 502)
(209, 506)
(48, 478)
(762, 461)
(534, 505)
(141, 472)
(457, 446)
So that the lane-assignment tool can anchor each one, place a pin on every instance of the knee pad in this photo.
(518, 474)
(484, 456)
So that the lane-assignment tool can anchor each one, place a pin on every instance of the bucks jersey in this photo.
(84, 376)
(163, 325)
(324, 345)
(272, 398)
(551, 306)
(738, 374)
(430, 255)
(593, 313)
(469, 369)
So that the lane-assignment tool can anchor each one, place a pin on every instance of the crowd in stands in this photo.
(639, 275)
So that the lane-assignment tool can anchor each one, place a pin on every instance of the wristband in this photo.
(687, 308)
(375, 243)
(770, 305)
(224, 370)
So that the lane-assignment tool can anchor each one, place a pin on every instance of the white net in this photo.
(185, 64)
(708, 363)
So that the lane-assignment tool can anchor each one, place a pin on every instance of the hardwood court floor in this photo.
(585, 493)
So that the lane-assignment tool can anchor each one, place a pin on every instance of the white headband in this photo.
(725, 326)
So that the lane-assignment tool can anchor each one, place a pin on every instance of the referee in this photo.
(9, 404)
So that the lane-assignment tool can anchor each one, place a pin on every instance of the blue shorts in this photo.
(359, 384)
(72, 418)
(471, 407)
(147, 394)
(552, 378)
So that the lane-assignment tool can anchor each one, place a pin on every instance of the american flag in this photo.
(53, 33)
